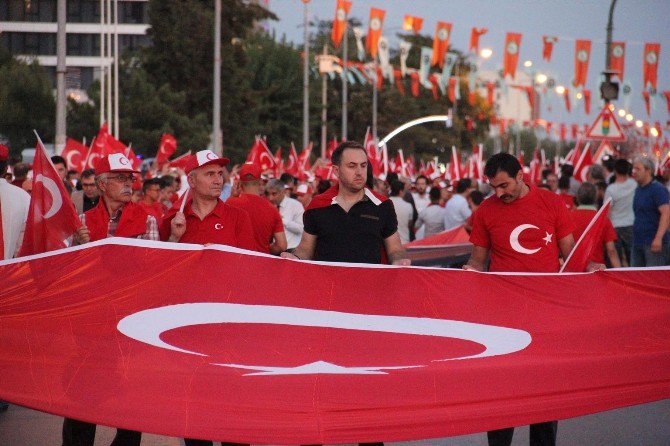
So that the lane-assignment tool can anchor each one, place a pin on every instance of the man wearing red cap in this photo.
(206, 218)
(265, 218)
(114, 216)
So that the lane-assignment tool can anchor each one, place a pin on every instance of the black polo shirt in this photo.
(356, 236)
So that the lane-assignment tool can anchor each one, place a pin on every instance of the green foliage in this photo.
(26, 103)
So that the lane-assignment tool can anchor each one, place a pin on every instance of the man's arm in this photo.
(394, 250)
(612, 255)
(279, 245)
(663, 223)
(565, 246)
(478, 259)
(304, 250)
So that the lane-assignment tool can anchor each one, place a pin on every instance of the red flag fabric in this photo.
(650, 67)
(340, 21)
(451, 89)
(490, 89)
(374, 157)
(441, 43)
(511, 55)
(582, 56)
(583, 163)
(562, 131)
(475, 34)
(292, 161)
(647, 99)
(166, 148)
(566, 96)
(261, 156)
(618, 58)
(374, 30)
(397, 75)
(332, 145)
(304, 357)
(456, 171)
(587, 101)
(52, 218)
(279, 163)
(666, 94)
(412, 23)
(590, 240)
(434, 83)
(181, 161)
(451, 237)
(74, 154)
(304, 164)
(536, 168)
(99, 148)
(548, 47)
(414, 83)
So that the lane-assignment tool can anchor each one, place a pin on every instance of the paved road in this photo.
(644, 425)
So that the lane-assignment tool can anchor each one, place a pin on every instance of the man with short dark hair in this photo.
(622, 191)
(150, 201)
(523, 229)
(457, 211)
(403, 210)
(20, 174)
(349, 222)
(61, 167)
(651, 241)
(86, 198)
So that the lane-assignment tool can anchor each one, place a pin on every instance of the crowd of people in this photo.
(514, 225)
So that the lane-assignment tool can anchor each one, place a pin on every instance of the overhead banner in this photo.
(224, 344)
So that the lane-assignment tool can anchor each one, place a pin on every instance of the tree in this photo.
(26, 103)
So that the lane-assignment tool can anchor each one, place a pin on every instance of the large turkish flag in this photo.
(219, 343)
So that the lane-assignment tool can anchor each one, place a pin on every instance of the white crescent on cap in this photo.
(205, 156)
(118, 161)
(56, 199)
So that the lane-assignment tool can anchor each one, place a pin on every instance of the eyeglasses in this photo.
(87, 184)
(123, 178)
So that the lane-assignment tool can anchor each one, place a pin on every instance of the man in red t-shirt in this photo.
(150, 201)
(207, 219)
(265, 218)
(582, 216)
(524, 229)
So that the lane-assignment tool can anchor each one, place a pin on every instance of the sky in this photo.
(635, 22)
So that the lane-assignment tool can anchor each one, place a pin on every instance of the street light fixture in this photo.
(560, 90)
(541, 78)
(629, 117)
(528, 63)
(622, 112)
(639, 124)
(486, 53)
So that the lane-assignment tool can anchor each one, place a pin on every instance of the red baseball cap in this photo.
(204, 158)
(116, 162)
(4, 152)
(250, 172)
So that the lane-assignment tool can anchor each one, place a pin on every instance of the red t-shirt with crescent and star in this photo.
(523, 235)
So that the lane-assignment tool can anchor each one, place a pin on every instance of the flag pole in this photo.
(345, 81)
(305, 76)
(374, 100)
(216, 112)
(102, 62)
(61, 68)
(324, 108)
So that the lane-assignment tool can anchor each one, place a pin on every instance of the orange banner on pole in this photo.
(340, 22)
(441, 43)
(582, 56)
(511, 58)
(548, 47)
(650, 71)
(617, 58)
(374, 30)
(475, 34)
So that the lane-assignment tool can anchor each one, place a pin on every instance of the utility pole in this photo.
(217, 146)
(102, 62)
(345, 82)
(116, 69)
(60, 77)
(305, 77)
(324, 108)
(609, 90)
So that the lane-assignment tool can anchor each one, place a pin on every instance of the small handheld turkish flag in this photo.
(166, 148)
(51, 216)
(579, 257)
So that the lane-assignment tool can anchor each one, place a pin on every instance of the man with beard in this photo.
(114, 216)
(524, 229)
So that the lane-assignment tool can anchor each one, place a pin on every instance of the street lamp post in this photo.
(305, 77)
(60, 78)
(216, 112)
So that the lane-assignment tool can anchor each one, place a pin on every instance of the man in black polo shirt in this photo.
(349, 222)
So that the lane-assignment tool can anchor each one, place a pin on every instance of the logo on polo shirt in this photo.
(218, 226)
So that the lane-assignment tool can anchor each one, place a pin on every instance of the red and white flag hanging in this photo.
(374, 31)
(441, 43)
(475, 34)
(511, 55)
(340, 22)
(618, 58)
(52, 218)
(587, 101)
(261, 156)
(548, 47)
(589, 241)
(650, 67)
(582, 56)
(292, 165)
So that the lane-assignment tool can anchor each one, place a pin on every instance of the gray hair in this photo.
(275, 185)
(102, 177)
(646, 163)
(586, 194)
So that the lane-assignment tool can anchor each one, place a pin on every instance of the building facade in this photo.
(28, 31)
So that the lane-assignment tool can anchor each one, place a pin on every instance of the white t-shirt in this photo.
(421, 203)
(14, 207)
(432, 219)
(456, 212)
(403, 212)
(291, 212)
(621, 209)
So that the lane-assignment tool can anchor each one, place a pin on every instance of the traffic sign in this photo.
(606, 127)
